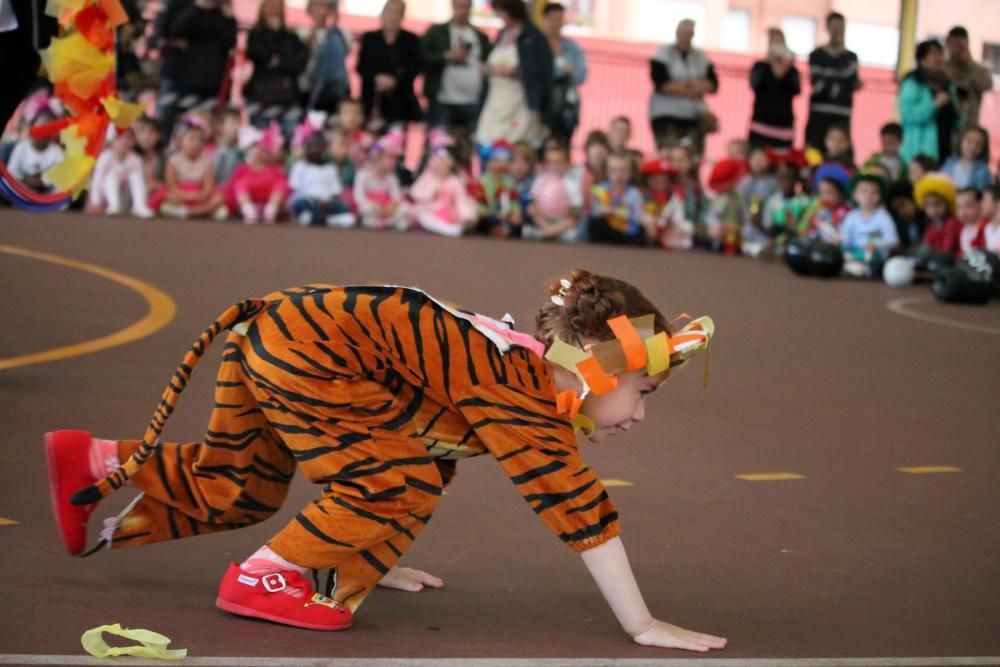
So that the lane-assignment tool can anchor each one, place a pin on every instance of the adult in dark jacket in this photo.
(454, 56)
(775, 82)
(24, 30)
(208, 31)
(520, 69)
(278, 57)
(389, 62)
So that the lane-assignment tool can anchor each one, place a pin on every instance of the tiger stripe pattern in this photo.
(373, 393)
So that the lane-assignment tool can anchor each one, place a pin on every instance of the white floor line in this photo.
(31, 659)
(901, 306)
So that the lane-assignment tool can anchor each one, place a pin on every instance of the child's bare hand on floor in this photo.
(666, 635)
(409, 579)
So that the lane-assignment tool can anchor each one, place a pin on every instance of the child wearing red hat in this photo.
(727, 213)
(663, 211)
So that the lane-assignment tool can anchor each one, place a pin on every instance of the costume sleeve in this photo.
(538, 452)
(758, 73)
(17, 164)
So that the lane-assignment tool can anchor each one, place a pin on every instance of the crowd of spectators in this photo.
(501, 117)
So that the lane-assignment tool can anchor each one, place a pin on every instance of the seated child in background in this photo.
(119, 172)
(911, 223)
(596, 150)
(31, 158)
(969, 212)
(554, 201)
(227, 151)
(891, 137)
(920, 166)
(868, 234)
(688, 185)
(190, 190)
(149, 145)
(351, 119)
(523, 167)
(837, 147)
(616, 206)
(619, 136)
(738, 149)
(991, 210)
(760, 183)
(316, 188)
(441, 202)
(826, 214)
(259, 186)
(377, 191)
(663, 211)
(339, 148)
(728, 217)
(935, 195)
(499, 204)
(785, 212)
(970, 168)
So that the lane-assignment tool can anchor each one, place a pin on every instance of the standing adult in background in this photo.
(454, 56)
(682, 76)
(833, 71)
(569, 73)
(208, 31)
(970, 78)
(278, 57)
(324, 82)
(775, 82)
(171, 52)
(927, 108)
(520, 80)
(24, 30)
(388, 63)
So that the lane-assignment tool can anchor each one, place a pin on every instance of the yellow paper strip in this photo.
(769, 476)
(929, 470)
(152, 644)
(657, 354)
(7, 522)
(609, 483)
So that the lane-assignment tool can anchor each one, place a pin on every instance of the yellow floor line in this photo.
(615, 482)
(929, 470)
(7, 522)
(769, 476)
(161, 311)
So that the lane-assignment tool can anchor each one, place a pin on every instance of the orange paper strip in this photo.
(595, 377)
(635, 350)
(116, 15)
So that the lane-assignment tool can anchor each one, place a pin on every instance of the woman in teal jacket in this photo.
(927, 106)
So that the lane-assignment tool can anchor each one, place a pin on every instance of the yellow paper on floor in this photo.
(152, 644)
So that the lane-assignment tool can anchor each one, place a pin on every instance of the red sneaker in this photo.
(273, 597)
(68, 456)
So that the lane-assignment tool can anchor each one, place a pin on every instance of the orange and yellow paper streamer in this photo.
(81, 66)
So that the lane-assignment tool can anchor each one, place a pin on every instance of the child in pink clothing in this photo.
(259, 186)
(190, 178)
(377, 192)
(441, 202)
(119, 170)
(556, 202)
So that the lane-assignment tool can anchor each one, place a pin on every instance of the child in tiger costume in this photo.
(374, 393)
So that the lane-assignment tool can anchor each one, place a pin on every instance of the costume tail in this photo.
(234, 315)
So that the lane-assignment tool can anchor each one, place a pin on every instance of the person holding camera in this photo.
(454, 82)
(775, 82)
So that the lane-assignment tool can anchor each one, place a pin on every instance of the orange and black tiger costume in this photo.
(373, 392)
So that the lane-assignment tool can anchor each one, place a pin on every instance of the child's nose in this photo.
(640, 411)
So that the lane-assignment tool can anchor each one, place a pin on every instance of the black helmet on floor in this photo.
(797, 256)
(826, 259)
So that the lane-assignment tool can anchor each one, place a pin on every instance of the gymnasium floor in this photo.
(772, 508)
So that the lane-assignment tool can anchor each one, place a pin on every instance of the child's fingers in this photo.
(428, 579)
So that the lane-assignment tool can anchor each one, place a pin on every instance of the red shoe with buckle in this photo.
(273, 597)
(68, 457)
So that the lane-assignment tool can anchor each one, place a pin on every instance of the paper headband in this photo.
(636, 345)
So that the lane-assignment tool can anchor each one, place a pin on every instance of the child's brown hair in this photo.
(588, 303)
